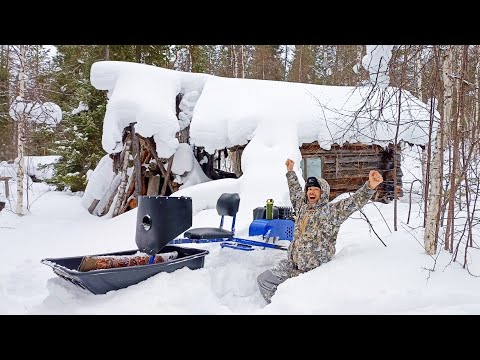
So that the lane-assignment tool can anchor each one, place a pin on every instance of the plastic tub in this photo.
(105, 280)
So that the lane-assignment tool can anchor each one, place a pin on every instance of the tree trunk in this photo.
(476, 121)
(424, 173)
(242, 61)
(138, 53)
(234, 62)
(21, 134)
(418, 59)
(300, 64)
(455, 135)
(395, 200)
(430, 240)
(359, 63)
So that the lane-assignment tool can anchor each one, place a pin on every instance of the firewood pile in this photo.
(139, 172)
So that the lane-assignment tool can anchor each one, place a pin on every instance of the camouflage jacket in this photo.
(316, 226)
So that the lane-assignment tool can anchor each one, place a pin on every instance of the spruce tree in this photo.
(267, 63)
(80, 132)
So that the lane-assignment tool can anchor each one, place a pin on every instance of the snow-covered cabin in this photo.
(200, 127)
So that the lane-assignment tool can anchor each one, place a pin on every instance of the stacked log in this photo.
(141, 171)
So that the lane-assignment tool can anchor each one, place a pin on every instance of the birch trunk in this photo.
(456, 131)
(418, 59)
(424, 173)
(359, 63)
(476, 122)
(430, 240)
(21, 135)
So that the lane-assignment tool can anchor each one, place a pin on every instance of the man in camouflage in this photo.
(316, 226)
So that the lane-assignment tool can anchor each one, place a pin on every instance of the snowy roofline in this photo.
(224, 112)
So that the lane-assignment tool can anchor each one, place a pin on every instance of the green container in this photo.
(269, 209)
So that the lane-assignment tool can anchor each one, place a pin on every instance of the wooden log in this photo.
(117, 158)
(130, 190)
(348, 173)
(153, 185)
(341, 183)
(136, 161)
(167, 177)
(351, 159)
(98, 262)
(109, 203)
(123, 182)
(132, 203)
(94, 204)
(152, 150)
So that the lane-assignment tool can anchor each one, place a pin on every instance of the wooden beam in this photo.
(93, 205)
(152, 150)
(167, 178)
(351, 159)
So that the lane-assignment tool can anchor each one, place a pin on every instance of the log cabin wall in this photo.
(346, 167)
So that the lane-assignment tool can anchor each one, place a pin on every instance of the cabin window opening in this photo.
(311, 167)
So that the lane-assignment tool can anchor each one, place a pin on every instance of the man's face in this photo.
(313, 194)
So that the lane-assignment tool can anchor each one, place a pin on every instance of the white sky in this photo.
(364, 277)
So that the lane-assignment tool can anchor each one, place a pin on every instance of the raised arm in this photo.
(296, 193)
(344, 208)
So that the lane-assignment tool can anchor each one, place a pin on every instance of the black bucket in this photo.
(160, 219)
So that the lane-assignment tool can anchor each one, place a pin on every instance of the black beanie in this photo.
(312, 181)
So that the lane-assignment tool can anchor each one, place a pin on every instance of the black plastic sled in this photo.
(105, 280)
(159, 220)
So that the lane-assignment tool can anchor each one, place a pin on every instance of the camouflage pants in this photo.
(269, 280)
(267, 283)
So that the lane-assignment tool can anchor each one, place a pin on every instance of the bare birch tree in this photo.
(435, 176)
(21, 122)
(418, 72)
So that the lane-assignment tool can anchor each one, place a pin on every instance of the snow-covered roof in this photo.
(224, 112)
